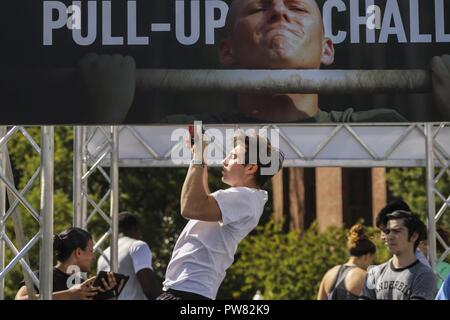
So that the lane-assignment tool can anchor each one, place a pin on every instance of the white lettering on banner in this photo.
(92, 25)
(74, 17)
(392, 14)
(328, 7)
(194, 21)
(179, 22)
(392, 27)
(357, 21)
(441, 36)
(415, 24)
(215, 12)
(374, 17)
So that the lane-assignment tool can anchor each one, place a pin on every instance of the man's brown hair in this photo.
(256, 142)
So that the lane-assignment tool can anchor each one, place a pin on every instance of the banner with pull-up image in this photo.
(217, 61)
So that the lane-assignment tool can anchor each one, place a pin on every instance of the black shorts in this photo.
(172, 294)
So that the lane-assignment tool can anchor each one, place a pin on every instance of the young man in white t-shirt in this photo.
(218, 221)
(135, 261)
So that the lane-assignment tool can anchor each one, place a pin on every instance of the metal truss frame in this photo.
(95, 148)
(340, 145)
(87, 163)
(43, 215)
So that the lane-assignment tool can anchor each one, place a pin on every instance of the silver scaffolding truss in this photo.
(349, 145)
(87, 163)
(43, 215)
(341, 145)
(95, 148)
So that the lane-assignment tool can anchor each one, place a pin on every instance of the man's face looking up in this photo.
(275, 34)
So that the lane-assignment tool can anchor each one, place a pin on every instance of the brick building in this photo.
(332, 196)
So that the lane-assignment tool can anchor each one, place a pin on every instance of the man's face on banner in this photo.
(276, 34)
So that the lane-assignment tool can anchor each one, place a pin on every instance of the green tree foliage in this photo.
(287, 265)
(410, 184)
(154, 195)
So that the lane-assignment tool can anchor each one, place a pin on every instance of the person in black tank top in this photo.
(339, 291)
(345, 282)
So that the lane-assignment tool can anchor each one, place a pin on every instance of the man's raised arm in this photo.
(196, 202)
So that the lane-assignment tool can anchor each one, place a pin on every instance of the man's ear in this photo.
(251, 168)
(414, 237)
(327, 52)
(226, 54)
(77, 252)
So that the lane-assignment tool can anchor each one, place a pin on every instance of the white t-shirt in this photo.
(205, 250)
(134, 255)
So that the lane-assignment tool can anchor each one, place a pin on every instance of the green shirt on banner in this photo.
(349, 115)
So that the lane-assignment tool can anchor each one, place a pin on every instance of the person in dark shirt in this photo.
(75, 253)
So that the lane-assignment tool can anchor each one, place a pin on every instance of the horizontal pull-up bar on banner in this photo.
(286, 81)
(275, 81)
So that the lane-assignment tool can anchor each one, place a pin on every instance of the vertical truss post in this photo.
(46, 214)
(431, 205)
(114, 204)
(2, 211)
(78, 145)
(16, 197)
(84, 183)
(86, 163)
